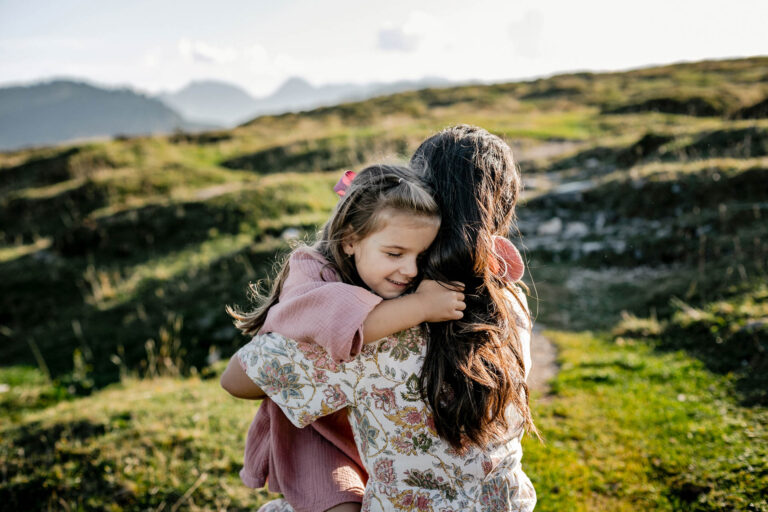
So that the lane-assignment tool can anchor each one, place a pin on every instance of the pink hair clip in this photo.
(344, 182)
(508, 263)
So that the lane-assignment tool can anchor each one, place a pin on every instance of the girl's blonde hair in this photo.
(373, 194)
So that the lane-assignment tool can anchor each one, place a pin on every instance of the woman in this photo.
(438, 413)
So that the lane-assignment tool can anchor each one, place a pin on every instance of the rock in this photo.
(592, 163)
(590, 247)
(290, 234)
(618, 246)
(600, 221)
(553, 226)
(214, 355)
(573, 187)
(576, 230)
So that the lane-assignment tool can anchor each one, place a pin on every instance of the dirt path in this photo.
(545, 367)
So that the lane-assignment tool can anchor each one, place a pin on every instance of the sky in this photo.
(158, 45)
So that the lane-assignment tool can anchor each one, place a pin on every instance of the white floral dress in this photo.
(410, 467)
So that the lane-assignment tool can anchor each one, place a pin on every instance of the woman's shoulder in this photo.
(407, 344)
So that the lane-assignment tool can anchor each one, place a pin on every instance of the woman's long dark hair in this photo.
(474, 368)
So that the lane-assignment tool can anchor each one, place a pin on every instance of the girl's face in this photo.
(387, 260)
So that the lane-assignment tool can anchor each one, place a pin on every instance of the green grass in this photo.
(143, 444)
(625, 429)
(631, 429)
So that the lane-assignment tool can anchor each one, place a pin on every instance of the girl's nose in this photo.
(409, 269)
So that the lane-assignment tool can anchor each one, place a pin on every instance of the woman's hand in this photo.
(441, 302)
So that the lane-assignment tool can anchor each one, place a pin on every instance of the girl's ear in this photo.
(348, 245)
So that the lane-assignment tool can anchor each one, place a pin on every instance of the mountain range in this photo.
(63, 110)
(59, 111)
(228, 105)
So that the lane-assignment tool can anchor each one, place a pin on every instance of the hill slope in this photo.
(137, 231)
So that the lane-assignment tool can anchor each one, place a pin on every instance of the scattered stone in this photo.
(590, 247)
(290, 234)
(573, 187)
(553, 226)
(600, 221)
(214, 355)
(576, 230)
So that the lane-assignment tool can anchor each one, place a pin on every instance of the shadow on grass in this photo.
(47, 468)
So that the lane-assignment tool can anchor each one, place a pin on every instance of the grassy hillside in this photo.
(643, 221)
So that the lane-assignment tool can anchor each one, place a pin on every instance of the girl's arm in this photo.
(237, 383)
(431, 302)
(315, 307)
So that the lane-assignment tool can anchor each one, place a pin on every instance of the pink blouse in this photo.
(318, 467)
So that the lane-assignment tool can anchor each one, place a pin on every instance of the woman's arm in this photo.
(237, 383)
(300, 378)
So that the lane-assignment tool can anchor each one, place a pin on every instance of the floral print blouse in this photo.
(410, 467)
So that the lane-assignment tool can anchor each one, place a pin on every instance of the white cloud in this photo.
(418, 30)
(200, 51)
(396, 39)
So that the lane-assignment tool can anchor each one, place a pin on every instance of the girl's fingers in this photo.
(461, 306)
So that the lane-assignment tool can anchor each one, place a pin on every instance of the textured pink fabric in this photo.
(315, 307)
(316, 467)
(307, 467)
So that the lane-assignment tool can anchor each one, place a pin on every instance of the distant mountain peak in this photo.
(294, 85)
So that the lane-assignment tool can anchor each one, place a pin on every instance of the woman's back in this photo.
(410, 467)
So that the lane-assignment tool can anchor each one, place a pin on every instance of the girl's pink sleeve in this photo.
(315, 307)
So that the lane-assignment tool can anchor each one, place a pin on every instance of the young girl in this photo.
(332, 294)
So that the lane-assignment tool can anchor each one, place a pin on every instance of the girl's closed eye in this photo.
(394, 254)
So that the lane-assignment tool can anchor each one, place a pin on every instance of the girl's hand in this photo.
(441, 301)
